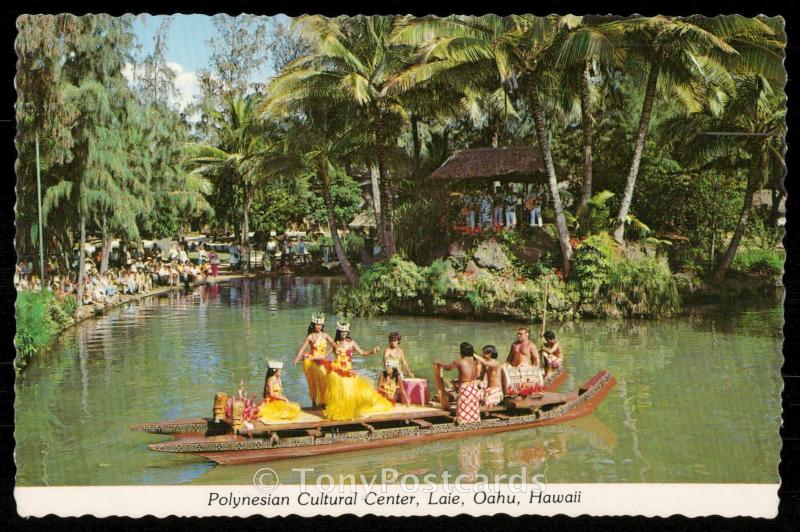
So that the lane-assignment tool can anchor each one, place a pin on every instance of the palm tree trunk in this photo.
(106, 246)
(641, 135)
(544, 150)
(727, 259)
(388, 245)
(248, 201)
(81, 263)
(586, 123)
(347, 268)
(376, 200)
(417, 145)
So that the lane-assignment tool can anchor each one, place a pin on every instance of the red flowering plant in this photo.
(250, 412)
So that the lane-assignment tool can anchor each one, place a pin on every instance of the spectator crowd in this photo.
(128, 273)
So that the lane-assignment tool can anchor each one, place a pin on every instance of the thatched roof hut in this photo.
(497, 164)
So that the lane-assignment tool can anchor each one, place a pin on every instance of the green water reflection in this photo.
(697, 399)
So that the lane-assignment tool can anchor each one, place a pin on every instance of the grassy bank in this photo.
(40, 317)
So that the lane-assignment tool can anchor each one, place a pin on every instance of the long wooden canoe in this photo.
(311, 418)
(299, 439)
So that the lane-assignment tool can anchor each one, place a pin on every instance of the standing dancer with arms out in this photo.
(347, 394)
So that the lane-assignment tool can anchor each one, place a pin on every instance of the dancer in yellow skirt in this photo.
(348, 395)
(314, 352)
(275, 406)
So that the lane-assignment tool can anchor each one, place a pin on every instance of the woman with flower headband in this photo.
(314, 352)
(276, 406)
(348, 395)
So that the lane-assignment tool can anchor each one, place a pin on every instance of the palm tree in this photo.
(243, 156)
(355, 61)
(321, 141)
(748, 135)
(682, 56)
(590, 49)
(474, 51)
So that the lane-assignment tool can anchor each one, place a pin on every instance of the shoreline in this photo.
(90, 311)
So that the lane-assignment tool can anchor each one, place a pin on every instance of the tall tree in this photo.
(506, 50)
(247, 153)
(238, 50)
(91, 72)
(588, 50)
(748, 136)
(154, 78)
(320, 142)
(682, 56)
(358, 59)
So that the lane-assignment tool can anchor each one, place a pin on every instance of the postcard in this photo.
(399, 265)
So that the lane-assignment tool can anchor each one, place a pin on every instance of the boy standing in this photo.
(468, 408)
(494, 389)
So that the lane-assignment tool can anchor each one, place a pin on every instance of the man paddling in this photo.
(468, 408)
(523, 352)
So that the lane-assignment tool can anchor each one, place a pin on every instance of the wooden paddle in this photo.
(544, 305)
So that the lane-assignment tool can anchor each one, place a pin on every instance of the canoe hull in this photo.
(591, 395)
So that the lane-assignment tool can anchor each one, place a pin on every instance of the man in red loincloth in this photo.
(468, 408)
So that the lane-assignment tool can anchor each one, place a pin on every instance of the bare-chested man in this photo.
(494, 388)
(523, 352)
(468, 408)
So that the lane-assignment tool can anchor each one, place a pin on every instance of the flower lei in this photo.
(328, 365)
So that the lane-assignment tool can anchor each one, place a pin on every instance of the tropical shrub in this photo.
(40, 317)
(611, 284)
(382, 287)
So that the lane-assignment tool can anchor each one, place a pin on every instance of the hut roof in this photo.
(502, 164)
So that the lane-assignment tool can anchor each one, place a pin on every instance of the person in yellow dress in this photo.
(314, 352)
(347, 394)
(275, 406)
(390, 383)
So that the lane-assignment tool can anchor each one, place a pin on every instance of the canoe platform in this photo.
(312, 435)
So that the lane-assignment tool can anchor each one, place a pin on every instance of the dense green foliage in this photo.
(40, 316)
(631, 119)
(606, 284)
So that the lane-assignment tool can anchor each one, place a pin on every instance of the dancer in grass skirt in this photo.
(347, 394)
(314, 352)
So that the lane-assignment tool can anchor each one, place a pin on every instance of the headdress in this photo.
(343, 326)
(318, 318)
(275, 364)
(391, 363)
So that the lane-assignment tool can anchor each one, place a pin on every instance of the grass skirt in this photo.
(276, 410)
(350, 397)
(316, 376)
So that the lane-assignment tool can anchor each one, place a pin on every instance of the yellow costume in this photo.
(350, 396)
(388, 388)
(315, 370)
(275, 409)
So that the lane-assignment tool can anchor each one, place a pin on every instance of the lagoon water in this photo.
(697, 397)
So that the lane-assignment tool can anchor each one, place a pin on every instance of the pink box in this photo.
(417, 391)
